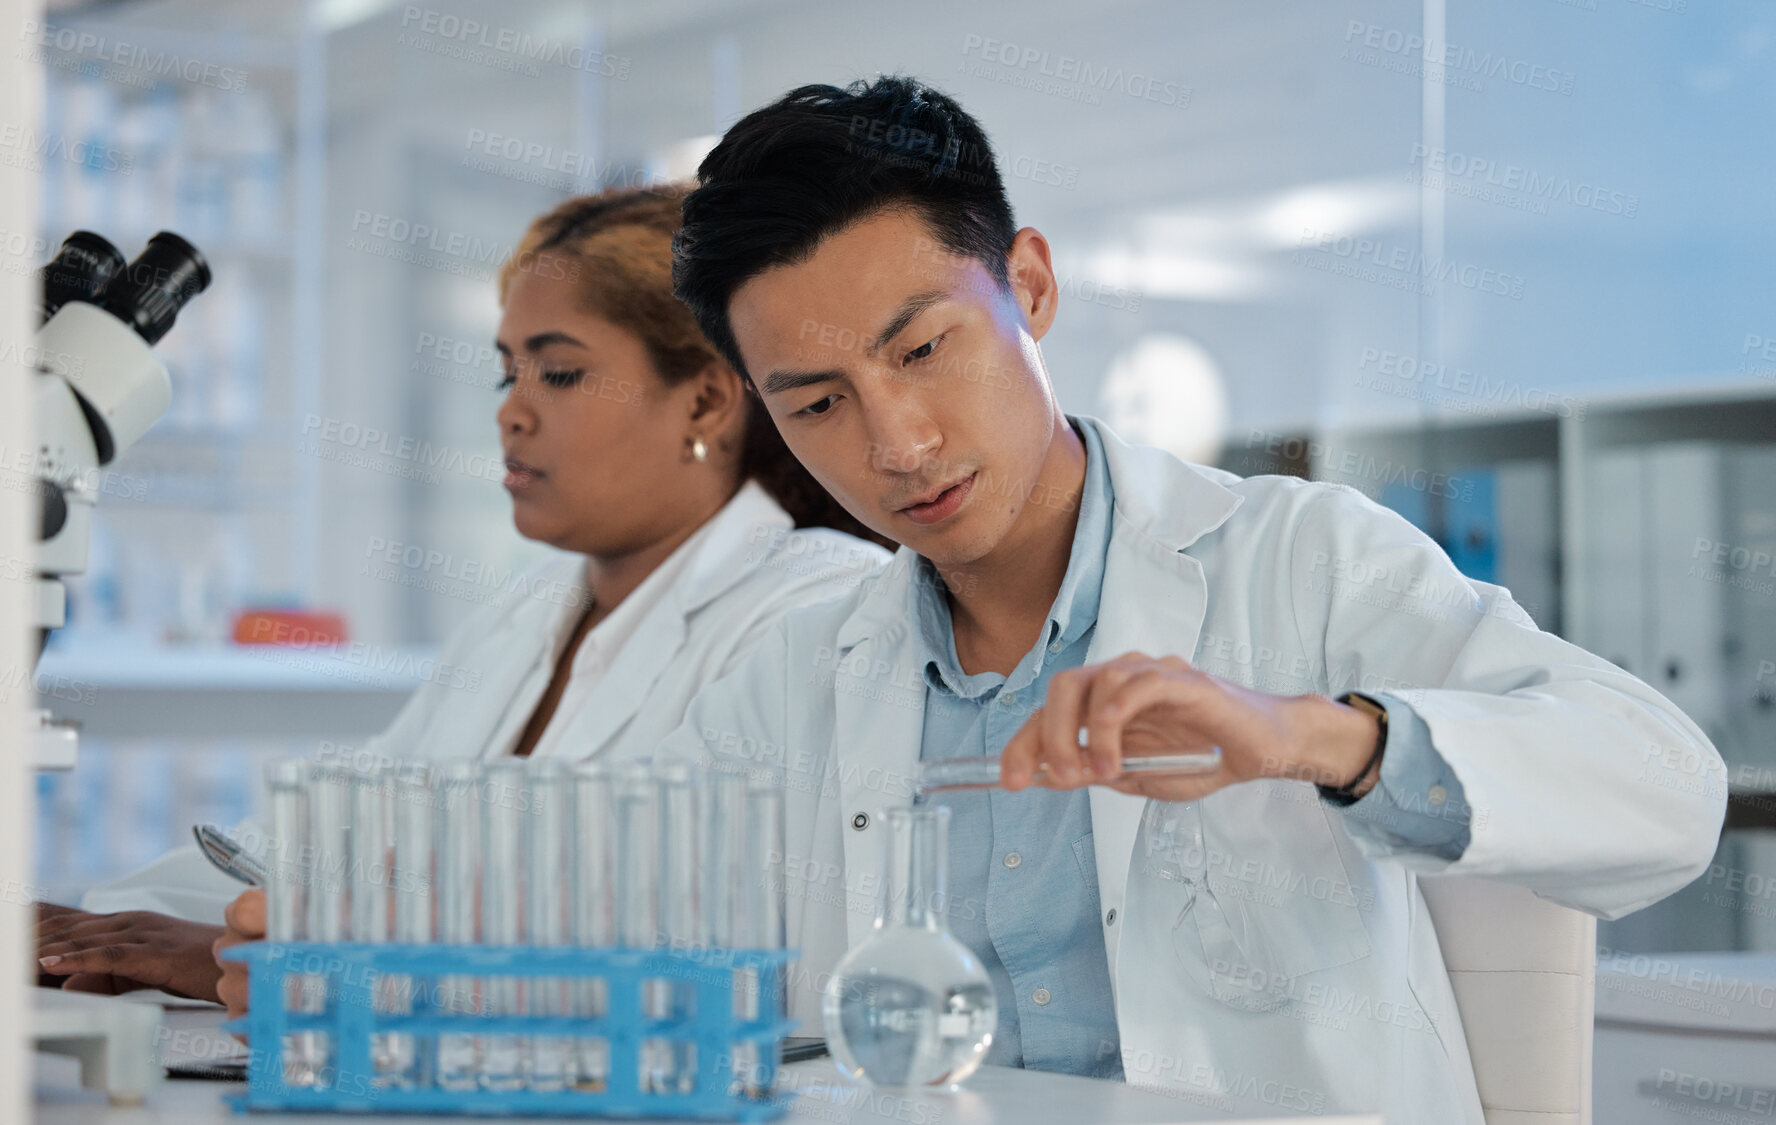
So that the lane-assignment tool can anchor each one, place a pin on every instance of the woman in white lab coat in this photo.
(632, 447)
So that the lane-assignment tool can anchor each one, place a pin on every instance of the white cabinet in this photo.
(1643, 528)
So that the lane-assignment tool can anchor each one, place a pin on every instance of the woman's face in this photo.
(596, 445)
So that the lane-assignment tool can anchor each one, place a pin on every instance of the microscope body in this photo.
(95, 376)
(98, 389)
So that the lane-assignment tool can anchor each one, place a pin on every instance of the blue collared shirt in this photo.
(1023, 885)
(1023, 875)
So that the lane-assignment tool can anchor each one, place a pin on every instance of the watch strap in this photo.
(1343, 796)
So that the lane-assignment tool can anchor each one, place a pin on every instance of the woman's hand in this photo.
(246, 922)
(1138, 704)
(114, 953)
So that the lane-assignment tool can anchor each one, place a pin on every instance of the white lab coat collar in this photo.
(721, 553)
(730, 546)
(1157, 498)
(1161, 506)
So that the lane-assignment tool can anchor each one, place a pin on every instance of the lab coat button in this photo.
(1438, 795)
(1012, 859)
(1110, 918)
(860, 821)
(1040, 996)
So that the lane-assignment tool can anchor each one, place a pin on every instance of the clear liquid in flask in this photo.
(911, 1006)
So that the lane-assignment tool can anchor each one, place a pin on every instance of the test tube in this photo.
(638, 807)
(329, 890)
(286, 910)
(763, 883)
(548, 901)
(761, 904)
(367, 877)
(459, 880)
(329, 821)
(506, 806)
(680, 926)
(595, 908)
(411, 880)
(722, 865)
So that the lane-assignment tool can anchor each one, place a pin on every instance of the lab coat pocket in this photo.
(1274, 900)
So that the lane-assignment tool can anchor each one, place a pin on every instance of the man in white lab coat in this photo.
(1254, 939)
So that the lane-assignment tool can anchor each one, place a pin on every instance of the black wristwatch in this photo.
(1342, 795)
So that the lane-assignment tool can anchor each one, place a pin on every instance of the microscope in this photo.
(98, 389)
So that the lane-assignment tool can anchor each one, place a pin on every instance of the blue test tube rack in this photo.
(350, 1018)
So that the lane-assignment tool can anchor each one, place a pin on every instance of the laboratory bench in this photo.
(993, 1095)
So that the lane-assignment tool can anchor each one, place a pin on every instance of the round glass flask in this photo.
(911, 1006)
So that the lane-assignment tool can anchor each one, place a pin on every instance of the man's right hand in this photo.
(113, 953)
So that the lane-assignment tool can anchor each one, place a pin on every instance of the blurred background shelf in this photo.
(1641, 525)
(134, 689)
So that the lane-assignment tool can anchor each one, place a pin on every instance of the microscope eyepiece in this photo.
(149, 292)
(81, 269)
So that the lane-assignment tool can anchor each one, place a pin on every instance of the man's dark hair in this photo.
(819, 159)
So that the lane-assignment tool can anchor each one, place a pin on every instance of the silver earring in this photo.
(699, 450)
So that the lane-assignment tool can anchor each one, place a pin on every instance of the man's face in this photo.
(906, 380)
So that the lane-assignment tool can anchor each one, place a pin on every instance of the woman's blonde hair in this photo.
(617, 246)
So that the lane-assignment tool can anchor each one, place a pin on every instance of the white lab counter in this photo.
(1685, 1038)
(993, 1095)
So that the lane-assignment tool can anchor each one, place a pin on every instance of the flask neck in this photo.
(917, 882)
